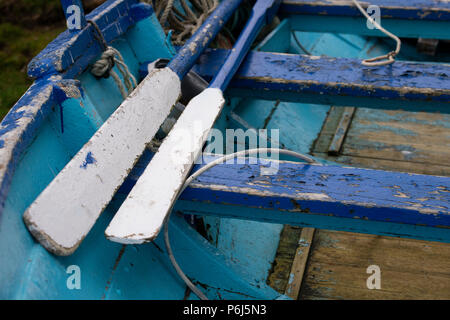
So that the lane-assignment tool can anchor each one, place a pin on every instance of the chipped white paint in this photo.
(67, 209)
(142, 215)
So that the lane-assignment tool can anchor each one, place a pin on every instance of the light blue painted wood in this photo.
(401, 28)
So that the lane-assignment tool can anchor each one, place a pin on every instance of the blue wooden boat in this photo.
(380, 198)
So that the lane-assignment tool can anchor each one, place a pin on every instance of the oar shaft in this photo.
(262, 12)
(189, 53)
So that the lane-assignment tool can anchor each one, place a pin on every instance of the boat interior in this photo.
(284, 84)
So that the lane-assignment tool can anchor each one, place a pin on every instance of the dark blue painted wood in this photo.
(390, 9)
(350, 199)
(114, 18)
(336, 81)
(189, 53)
(69, 12)
(262, 13)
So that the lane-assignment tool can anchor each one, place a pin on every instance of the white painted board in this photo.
(141, 216)
(66, 210)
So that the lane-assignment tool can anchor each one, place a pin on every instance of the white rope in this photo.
(384, 59)
(103, 67)
(194, 176)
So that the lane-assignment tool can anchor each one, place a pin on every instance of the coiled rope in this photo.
(384, 59)
(183, 22)
(103, 67)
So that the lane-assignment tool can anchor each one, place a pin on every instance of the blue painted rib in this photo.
(390, 9)
(189, 53)
(336, 81)
(262, 12)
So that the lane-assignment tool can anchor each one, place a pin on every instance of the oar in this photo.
(142, 215)
(66, 210)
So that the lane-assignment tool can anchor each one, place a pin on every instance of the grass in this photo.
(18, 45)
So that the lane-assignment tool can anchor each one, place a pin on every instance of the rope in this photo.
(300, 45)
(185, 20)
(103, 67)
(384, 59)
(194, 176)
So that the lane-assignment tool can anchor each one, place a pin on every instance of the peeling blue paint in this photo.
(89, 160)
(399, 9)
(335, 81)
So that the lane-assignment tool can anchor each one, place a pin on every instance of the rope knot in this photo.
(102, 67)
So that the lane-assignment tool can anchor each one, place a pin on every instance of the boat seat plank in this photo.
(390, 9)
(336, 81)
(338, 198)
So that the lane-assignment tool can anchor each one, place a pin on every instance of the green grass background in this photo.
(26, 27)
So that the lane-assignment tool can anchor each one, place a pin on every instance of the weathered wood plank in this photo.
(282, 264)
(336, 198)
(336, 81)
(390, 9)
(341, 130)
(114, 18)
(299, 263)
(399, 136)
(410, 269)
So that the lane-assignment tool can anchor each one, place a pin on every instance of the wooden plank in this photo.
(114, 18)
(399, 136)
(336, 81)
(336, 198)
(299, 263)
(341, 130)
(408, 142)
(390, 9)
(278, 277)
(338, 262)
(410, 269)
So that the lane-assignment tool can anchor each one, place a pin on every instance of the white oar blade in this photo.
(67, 209)
(142, 215)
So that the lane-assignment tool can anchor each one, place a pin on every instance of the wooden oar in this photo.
(142, 215)
(67, 209)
